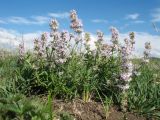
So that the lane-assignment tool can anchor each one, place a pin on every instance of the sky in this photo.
(31, 17)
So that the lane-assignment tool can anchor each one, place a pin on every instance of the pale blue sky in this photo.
(31, 17)
(127, 15)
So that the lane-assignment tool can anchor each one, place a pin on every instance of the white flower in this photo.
(115, 34)
(123, 87)
(127, 66)
(21, 50)
(65, 35)
(38, 47)
(148, 45)
(54, 25)
(73, 15)
(147, 52)
(56, 35)
(126, 77)
(100, 36)
(60, 46)
(44, 39)
(76, 24)
(106, 50)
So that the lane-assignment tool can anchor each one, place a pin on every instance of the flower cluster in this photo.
(127, 66)
(38, 48)
(59, 46)
(87, 45)
(100, 36)
(106, 50)
(132, 40)
(40, 45)
(54, 25)
(60, 53)
(76, 23)
(114, 38)
(147, 52)
(99, 41)
(127, 71)
(87, 37)
(44, 38)
(21, 51)
(36, 45)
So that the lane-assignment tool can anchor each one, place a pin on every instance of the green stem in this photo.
(50, 105)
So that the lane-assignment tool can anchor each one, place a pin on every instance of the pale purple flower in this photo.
(76, 23)
(77, 26)
(127, 66)
(87, 37)
(60, 46)
(106, 50)
(115, 35)
(73, 15)
(114, 38)
(148, 45)
(100, 36)
(21, 50)
(36, 44)
(44, 38)
(38, 47)
(65, 35)
(132, 39)
(55, 35)
(126, 41)
(147, 52)
(126, 76)
(54, 25)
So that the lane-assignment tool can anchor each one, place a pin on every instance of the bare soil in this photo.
(91, 111)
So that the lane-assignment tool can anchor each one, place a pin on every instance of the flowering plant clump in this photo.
(67, 66)
(127, 70)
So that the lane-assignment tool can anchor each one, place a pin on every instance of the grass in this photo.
(144, 94)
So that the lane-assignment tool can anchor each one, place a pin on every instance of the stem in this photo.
(50, 105)
(124, 101)
(106, 110)
(21, 117)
